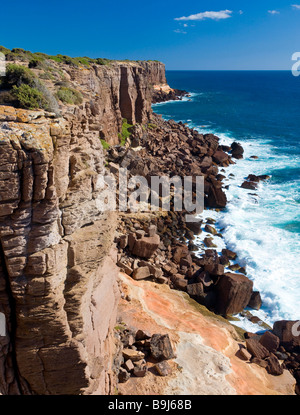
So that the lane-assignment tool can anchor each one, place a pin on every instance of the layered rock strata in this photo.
(58, 275)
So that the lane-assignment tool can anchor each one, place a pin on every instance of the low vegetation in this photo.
(38, 59)
(105, 145)
(69, 96)
(125, 131)
(28, 97)
(21, 88)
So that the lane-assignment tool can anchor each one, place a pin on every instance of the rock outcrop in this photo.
(58, 275)
(59, 286)
(113, 93)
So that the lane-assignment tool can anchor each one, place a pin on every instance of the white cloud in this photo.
(273, 12)
(241, 12)
(222, 14)
(296, 6)
(180, 31)
(185, 25)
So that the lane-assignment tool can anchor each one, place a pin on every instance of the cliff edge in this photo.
(60, 253)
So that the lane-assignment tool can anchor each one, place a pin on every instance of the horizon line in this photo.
(232, 70)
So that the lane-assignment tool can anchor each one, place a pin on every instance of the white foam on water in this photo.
(172, 101)
(250, 222)
(251, 227)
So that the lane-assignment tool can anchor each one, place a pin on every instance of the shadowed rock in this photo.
(160, 347)
(233, 293)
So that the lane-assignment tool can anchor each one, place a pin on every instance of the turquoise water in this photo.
(261, 110)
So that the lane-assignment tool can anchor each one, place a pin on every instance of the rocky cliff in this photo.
(59, 283)
(58, 278)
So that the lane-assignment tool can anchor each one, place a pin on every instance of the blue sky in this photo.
(238, 35)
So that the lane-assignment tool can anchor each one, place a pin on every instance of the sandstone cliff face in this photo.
(58, 278)
(112, 93)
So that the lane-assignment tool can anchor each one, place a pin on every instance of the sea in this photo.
(260, 110)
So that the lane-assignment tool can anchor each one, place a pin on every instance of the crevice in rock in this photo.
(13, 320)
(125, 100)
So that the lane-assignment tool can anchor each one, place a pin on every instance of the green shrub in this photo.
(18, 50)
(105, 145)
(37, 62)
(17, 75)
(28, 91)
(7, 98)
(19, 54)
(69, 96)
(50, 103)
(102, 61)
(125, 131)
(28, 97)
(4, 50)
(26, 55)
(55, 59)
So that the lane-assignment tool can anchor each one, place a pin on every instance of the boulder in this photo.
(255, 301)
(220, 157)
(140, 371)
(224, 260)
(270, 341)
(155, 271)
(288, 333)
(210, 229)
(141, 273)
(195, 291)
(131, 240)
(162, 280)
(125, 268)
(244, 354)
(209, 242)
(229, 254)
(152, 230)
(179, 282)
(123, 375)
(214, 269)
(181, 252)
(123, 241)
(259, 362)
(129, 366)
(254, 178)
(237, 150)
(195, 226)
(216, 198)
(204, 278)
(142, 335)
(274, 368)
(146, 246)
(249, 185)
(160, 347)
(163, 368)
(133, 355)
(233, 293)
(256, 349)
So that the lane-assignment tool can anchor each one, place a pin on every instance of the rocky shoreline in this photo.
(163, 93)
(60, 254)
(162, 249)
